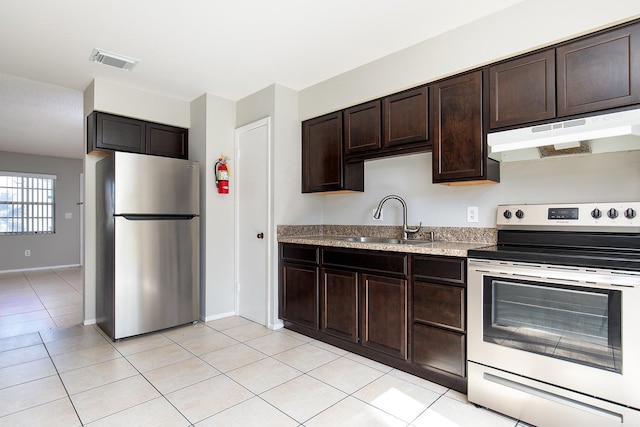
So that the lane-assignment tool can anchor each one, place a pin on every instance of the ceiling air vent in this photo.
(113, 59)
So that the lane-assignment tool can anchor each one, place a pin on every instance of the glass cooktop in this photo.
(596, 258)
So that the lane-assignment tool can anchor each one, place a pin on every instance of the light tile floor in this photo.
(228, 372)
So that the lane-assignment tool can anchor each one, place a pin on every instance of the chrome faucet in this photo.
(405, 230)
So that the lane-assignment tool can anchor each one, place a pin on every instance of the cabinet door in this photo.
(362, 127)
(116, 133)
(384, 314)
(440, 305)
(339, 304)
(168, 141)
(323, 167)
(459, 152)
(440, 349)
(406, 117)
(599, 72)
(299, 301)
(523, 90)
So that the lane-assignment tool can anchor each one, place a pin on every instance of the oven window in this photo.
(574, 323)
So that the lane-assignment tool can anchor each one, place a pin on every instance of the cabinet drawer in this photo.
(366, 260)
(300, 253)
(440, 269)
(441, 305)
(440, 349)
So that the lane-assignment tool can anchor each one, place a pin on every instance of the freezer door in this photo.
(156, 274)
(155, 185)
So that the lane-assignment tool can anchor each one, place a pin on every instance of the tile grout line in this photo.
(60, 378)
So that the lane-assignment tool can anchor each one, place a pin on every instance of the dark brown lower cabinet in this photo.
(299, 286)
(340, 304)
(440, 349)
(438, 320)
(300, 302)
(364, 300)
(407, 311)
(384, 314)
(438, 331)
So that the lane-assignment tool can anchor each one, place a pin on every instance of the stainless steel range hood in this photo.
(619, 131)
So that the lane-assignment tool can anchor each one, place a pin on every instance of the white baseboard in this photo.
(52, 267)
(275, 326)
(89, 322)
(217, 316)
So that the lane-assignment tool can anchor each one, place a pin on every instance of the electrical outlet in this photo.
(472, 214)
(381, 215)
(27, 252)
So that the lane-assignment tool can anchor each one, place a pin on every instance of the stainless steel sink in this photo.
(383, 240)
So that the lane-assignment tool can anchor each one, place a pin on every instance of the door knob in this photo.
(260, 235)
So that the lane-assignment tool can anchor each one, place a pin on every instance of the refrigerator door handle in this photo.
(146, 217)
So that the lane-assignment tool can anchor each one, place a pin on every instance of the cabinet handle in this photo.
(260, 235)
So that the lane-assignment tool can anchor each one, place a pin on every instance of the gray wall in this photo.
(48, 250)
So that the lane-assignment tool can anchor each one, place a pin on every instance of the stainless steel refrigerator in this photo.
(148, 227)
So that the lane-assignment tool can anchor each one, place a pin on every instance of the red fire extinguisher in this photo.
(222, 175)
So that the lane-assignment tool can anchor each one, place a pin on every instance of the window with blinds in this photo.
(27, 203)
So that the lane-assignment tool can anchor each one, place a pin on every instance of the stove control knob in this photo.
(612, 213)
(507, 214)
(596, 213)
(519, 214)
(630, 213)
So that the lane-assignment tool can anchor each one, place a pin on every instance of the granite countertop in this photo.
(448, 241)
(458, 249)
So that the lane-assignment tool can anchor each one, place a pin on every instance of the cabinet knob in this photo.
(260, 235)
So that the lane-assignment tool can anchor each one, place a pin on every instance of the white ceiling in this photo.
(227, 48)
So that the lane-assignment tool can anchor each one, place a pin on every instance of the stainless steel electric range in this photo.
(554, 315)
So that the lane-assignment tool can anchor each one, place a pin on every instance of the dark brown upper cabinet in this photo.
(523, 90)
(362, 128)
(168, 141)
(323, 166)
(459, 132)
(406, 117)
(109, 132)
(394, 125)
(599, 72)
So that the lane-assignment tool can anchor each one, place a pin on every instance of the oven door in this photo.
(572, 328)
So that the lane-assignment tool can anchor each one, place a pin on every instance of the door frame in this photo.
(269, 235)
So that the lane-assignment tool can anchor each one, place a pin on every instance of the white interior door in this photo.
(253, 220)
(81, 213)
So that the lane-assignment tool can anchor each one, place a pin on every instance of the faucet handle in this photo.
(413, 230)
